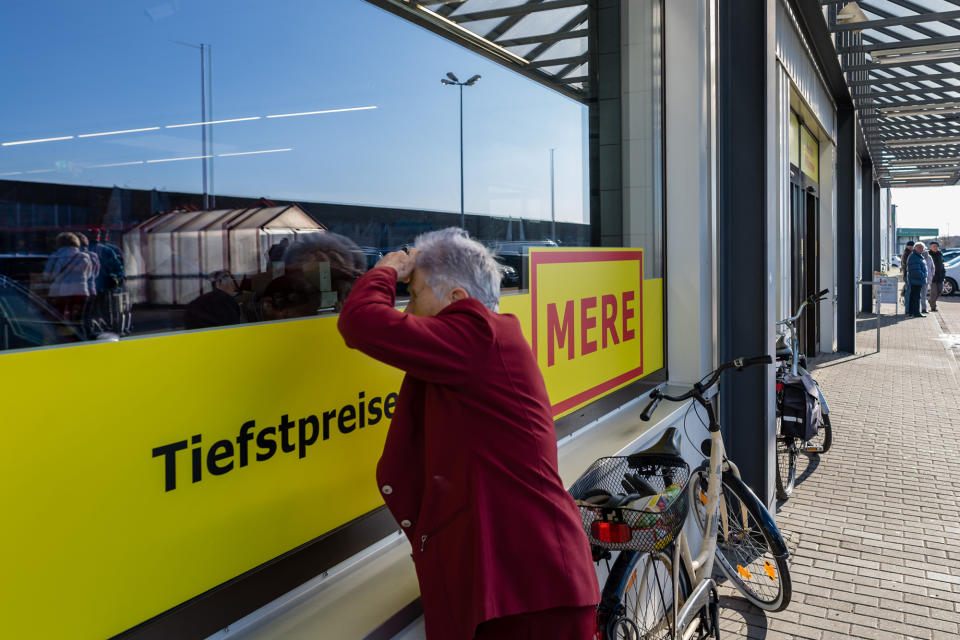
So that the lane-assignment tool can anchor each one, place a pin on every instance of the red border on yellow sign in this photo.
(538, 258)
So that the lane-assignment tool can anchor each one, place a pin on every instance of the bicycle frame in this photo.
(795, 368)
(700, 568)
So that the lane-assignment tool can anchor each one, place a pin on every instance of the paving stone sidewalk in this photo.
(874, 524)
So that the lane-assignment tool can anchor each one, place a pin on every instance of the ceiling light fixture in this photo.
(918, 53)
(15, 142)
(113, 133)
(313, 113)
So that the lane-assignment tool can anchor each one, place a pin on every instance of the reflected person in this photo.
(299, 291)
(218, 307)
(69, 271)
(469, 467)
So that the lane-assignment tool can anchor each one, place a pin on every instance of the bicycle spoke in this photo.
(746, 551)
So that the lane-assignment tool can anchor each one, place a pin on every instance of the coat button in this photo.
(405, 524)
(387, 489)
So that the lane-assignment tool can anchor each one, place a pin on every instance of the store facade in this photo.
(214, 439)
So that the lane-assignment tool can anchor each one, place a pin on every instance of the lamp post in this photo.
(553, 213)
(452, 80)
(206, 131)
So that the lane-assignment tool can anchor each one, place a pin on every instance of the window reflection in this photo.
(127, 209)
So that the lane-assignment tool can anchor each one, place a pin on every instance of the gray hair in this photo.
(450, 258)
(922, 246)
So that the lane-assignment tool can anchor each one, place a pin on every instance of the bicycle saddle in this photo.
(667, 445)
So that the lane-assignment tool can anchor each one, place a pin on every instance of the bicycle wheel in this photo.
(821, 442)
(638, 597)
(787, 448)
(746, 540)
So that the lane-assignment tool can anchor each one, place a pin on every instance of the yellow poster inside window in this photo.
(794, 140)
(810, 150)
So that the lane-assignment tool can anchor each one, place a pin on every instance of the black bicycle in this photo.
(790, 362)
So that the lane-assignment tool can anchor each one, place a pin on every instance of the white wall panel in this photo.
(797, 60)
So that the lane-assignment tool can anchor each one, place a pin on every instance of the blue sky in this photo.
(92, 67)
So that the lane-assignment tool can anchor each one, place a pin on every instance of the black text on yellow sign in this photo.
(261, 443)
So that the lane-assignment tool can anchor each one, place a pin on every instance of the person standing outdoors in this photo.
(926, 285)
(939, 274)
(917, 277)
(469, 467)
(907, 252)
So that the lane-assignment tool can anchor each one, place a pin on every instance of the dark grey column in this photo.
(744, 219)
(867, 231)
(606, 165)
(846, 194)
(877, 237)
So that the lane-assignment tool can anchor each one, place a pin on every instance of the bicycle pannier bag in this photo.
(801, 414)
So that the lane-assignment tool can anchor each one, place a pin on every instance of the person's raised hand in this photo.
(401, 261)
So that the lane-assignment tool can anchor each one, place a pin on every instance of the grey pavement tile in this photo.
(874, 524)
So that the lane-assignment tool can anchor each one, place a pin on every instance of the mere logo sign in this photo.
(587, 321)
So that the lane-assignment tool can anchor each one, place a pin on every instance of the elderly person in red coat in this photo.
(469, 468)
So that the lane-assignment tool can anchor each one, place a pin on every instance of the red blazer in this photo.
(469, 468)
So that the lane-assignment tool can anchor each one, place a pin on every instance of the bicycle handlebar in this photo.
(713, 377)
(812, 299)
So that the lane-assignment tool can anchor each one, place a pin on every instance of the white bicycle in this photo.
(636, 505)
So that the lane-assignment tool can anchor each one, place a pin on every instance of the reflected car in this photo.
(509, 277)
(372, 255)
(20, 266)
(26, 320)
(513, 252)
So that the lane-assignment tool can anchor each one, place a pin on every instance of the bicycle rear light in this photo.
(610, 532)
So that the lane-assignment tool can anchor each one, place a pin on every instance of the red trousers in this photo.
(563, 623)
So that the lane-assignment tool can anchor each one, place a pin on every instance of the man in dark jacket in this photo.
(939, 273)
(907, 252)
(916, 277)
(469, 467)
(216, 308)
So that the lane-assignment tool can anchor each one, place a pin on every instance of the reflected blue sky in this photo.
(91, 67)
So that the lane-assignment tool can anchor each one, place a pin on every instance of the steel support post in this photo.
(745, 127)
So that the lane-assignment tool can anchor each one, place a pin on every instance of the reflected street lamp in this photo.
(452, 80)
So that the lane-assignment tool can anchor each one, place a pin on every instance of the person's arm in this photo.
(438, 349)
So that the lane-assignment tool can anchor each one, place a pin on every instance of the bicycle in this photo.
(789, 447)
(656, 589)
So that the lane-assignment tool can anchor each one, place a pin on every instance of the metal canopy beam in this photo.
(901, 20)
(900, 44)
(522, 10)
(899, 67)
(464, 22)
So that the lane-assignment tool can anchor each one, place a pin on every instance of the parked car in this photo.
(952, 278)
(895, 261)
(950, 254)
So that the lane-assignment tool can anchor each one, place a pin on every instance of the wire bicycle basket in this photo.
(636, 503)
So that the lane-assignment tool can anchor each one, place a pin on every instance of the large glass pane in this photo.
(172, 165)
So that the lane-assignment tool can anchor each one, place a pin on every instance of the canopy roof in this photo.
(901, 59)
(543, 39)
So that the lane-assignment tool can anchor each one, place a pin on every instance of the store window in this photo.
(179, 165)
